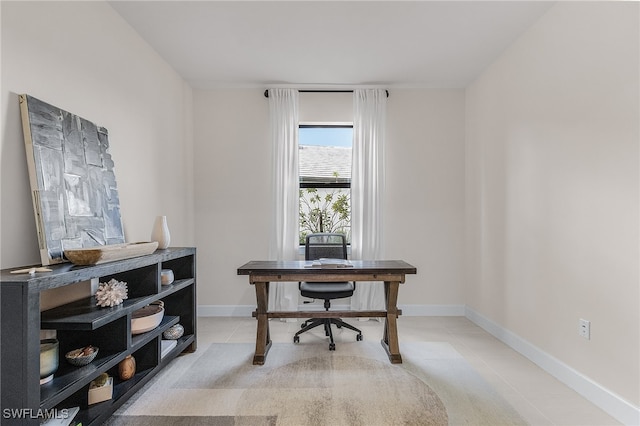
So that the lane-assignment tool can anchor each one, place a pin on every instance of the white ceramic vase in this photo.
(160, 232)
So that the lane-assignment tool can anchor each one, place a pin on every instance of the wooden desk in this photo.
(392, 272)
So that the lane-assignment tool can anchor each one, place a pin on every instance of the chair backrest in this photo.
(329, 245)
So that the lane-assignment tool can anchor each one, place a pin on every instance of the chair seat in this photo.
(327, 290)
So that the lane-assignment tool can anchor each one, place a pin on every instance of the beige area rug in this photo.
(306, 384)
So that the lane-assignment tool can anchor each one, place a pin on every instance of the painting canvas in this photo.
(73, 185)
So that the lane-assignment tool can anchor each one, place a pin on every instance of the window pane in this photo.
(326, 136)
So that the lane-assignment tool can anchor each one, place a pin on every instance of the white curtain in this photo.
(367, 190)
(283, 111)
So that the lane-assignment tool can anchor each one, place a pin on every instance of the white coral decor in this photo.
(111, 293)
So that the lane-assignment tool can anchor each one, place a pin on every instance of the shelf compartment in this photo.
(111, 337)
(182, 268)
(140, 282)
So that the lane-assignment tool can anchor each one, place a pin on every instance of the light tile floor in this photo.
(539, 397)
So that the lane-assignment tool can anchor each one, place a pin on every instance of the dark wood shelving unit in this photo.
(81, 323)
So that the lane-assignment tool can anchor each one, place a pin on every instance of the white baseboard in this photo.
(609, 402)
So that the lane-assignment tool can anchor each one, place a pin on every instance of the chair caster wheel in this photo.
(296, 339)
(332, 346)
(338, 326)
(303, 325)
(359, 337)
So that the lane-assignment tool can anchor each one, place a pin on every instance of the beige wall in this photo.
(232, 190)
(424, 208)
(83, 57)
(425, 187)
(553, 190)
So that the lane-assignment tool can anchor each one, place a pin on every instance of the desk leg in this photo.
(390, 338)
(263, 340)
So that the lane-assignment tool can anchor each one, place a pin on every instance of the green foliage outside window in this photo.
(325, 210)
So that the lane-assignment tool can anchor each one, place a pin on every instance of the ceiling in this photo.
(332, 44)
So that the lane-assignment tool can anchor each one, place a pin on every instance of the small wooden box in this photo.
(102, 393)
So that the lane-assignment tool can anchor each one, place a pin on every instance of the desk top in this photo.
(303, 267)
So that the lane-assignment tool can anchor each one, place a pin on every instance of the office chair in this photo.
(334, 246)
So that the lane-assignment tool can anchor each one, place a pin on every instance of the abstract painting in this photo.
(73, 185)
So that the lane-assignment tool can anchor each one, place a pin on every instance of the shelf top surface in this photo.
(68, 273)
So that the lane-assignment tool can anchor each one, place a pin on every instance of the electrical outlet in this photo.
(584, 328)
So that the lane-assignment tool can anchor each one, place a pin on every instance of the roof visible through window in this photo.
(325, 154)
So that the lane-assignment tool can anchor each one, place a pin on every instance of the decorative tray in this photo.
(109, 253)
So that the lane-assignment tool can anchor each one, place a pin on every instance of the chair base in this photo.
(326, 322)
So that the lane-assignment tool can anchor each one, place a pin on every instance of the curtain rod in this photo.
(266, 92)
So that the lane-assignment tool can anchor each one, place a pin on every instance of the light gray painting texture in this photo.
(77, 190)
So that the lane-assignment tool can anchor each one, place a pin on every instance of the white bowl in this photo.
(147, 318)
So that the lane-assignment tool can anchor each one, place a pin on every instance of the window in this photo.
(325, 179)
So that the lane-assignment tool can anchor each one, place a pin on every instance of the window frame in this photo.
(325, 185)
